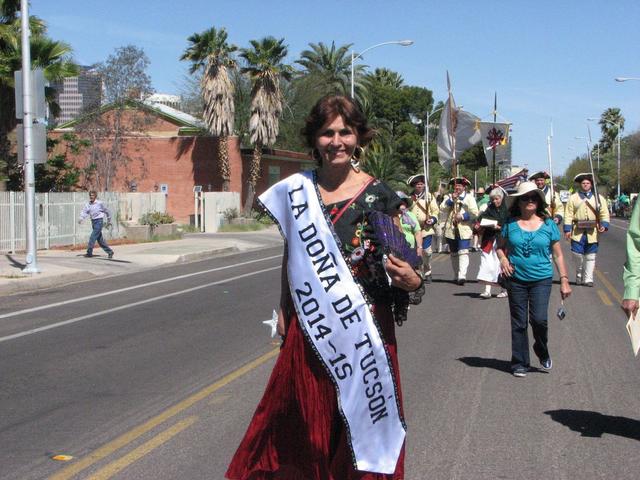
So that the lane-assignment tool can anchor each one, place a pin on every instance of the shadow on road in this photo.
(494, 363)
(594, 424)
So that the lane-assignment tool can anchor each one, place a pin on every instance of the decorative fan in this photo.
(391, 240)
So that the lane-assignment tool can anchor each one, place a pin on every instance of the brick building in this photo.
(174, 154)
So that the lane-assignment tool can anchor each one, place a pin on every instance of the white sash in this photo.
(337, 322)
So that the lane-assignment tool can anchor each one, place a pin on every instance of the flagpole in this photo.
(452, 135)
(553, 192)
(495, 114)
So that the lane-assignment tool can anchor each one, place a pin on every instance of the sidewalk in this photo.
(61, 267)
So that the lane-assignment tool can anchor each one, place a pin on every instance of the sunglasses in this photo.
(529, 198)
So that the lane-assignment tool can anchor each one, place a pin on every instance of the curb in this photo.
(31, 283)
(217, 252)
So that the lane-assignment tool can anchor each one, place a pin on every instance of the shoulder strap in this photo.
(353, 199)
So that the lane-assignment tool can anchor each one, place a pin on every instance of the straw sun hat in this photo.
(523, 189)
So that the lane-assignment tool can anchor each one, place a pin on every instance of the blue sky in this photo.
(545, 59)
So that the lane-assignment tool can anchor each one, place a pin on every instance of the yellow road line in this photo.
(604, 297)
(118, 465)
(609, 286)
(131, 435)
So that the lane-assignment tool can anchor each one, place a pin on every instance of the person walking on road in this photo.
(528, 240)
(631, 274)
(488, 226)
(585, 218)
(409, 224)
(332, 408)
(461, 210)
(425, 208)
(97, 212)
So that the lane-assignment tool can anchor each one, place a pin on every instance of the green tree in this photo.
(609, 121)
(125, 81)
(381, 163)
(52, 56)
(330, 66)
(264, 64)
(212, 56)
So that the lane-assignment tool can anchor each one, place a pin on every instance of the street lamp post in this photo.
(354, 57)
(625, 79)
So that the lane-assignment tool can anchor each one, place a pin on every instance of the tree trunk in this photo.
(254, 174)
(223, 163)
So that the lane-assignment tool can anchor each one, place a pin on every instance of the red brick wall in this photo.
(181, 162)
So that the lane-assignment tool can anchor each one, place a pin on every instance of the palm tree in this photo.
(386, 78)
(52, 56)
(609, 121)
(331, 65)
(265, 68)
(210, 54)
(381, 163)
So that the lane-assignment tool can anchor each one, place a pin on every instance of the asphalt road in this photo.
(158, 375)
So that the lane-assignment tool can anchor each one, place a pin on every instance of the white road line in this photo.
(129, 305)
(134, 287)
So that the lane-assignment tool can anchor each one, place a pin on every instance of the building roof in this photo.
(189, 125)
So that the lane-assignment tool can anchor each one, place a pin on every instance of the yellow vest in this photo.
(576, 209)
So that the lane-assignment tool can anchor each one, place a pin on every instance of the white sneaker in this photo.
(485, 295)
(502, 294)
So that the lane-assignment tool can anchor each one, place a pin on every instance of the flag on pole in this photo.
(458, 131)
(495, 136)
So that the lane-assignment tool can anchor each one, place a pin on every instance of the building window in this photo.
(274, 174)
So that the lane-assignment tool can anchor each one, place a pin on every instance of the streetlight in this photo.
(354, 56)
(625, 79)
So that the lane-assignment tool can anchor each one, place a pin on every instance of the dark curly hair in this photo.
(329, 107)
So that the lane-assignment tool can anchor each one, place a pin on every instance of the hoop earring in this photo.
(358, 153)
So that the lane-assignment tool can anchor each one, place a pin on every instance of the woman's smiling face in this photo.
(336, 142)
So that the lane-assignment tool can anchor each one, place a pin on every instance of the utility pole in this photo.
(29, 160)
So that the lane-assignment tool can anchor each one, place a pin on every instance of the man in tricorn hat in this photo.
(555, 209)
(426, 210)
(585, 216)
(461, 210)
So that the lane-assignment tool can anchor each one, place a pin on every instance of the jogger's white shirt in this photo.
(338, 323)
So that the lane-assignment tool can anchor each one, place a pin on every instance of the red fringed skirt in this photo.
(296, 432)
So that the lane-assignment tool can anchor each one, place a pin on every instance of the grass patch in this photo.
(241, 227)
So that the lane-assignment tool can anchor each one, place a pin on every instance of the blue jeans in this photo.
(528, 303)
(96, 236)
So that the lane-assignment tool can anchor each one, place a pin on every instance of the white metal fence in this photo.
(57, 216)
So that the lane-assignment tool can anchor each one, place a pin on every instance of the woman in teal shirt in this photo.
(529, 240)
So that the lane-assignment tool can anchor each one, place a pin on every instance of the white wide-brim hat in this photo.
(523, 189)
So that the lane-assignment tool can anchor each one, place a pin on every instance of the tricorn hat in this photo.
(460, 181)
(540, 174)
(583, 176)
(415, 179)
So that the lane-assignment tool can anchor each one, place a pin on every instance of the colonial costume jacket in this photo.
(425, 209)
(464, 205)
(555, 209)
(577, 210)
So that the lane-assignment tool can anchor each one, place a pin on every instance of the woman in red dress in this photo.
(297, 431)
